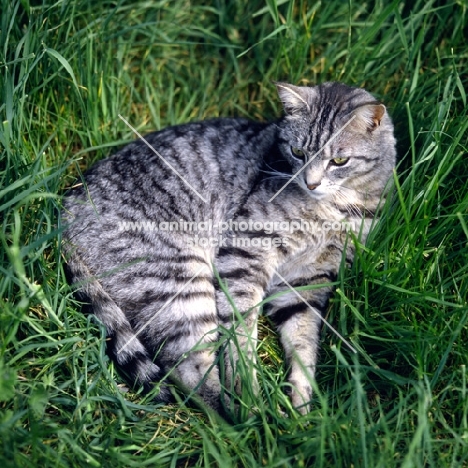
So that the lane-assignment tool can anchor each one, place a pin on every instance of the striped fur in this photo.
(156, 291)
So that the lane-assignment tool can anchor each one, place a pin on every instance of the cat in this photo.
(264, 198)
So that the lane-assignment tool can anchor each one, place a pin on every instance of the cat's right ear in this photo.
(294, 98)
(367, 117)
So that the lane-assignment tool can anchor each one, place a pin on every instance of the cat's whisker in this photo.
(276, 176)
(352, 208)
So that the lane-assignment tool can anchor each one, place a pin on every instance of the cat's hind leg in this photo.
(243, 278)
(190, 349)
(179, 326)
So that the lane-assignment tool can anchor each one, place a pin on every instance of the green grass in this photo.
(68, 68)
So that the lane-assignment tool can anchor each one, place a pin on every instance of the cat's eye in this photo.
(340, 161)
(297, 152)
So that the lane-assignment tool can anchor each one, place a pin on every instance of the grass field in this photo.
(68, 68)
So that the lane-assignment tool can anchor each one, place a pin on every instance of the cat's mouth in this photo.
(317, 193)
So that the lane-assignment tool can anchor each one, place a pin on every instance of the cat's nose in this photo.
(312, 186)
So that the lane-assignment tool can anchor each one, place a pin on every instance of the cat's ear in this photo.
(367, 117)
(294, 98)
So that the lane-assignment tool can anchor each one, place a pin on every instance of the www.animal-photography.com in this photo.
(233, 233)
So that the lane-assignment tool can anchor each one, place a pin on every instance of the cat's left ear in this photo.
(294, 98)
(368, 117)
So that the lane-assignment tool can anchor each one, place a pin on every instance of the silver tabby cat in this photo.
(155, 285)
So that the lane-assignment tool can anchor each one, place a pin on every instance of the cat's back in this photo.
(224, 143)
(189, 163)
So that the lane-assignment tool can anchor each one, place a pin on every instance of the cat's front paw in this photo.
(301, 394)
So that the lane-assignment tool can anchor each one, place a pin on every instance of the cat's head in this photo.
(339, 138)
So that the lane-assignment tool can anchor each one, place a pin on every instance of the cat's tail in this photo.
(123, 345)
